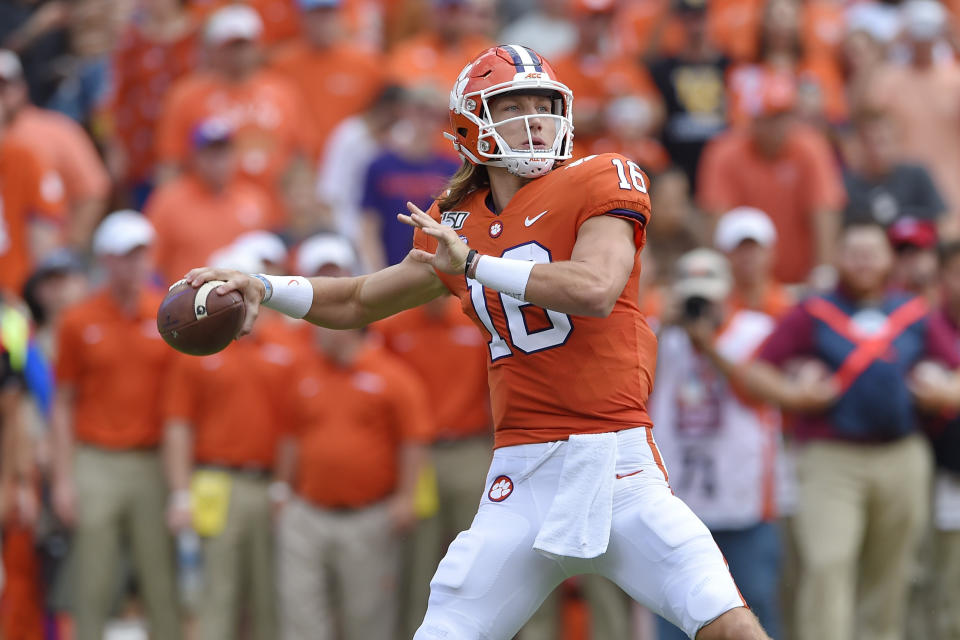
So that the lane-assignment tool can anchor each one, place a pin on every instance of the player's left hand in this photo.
(451, 255)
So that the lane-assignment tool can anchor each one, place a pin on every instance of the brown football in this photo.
(200, 321)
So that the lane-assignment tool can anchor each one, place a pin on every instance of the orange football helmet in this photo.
(499, 70)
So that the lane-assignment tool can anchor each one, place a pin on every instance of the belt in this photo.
(254, 473)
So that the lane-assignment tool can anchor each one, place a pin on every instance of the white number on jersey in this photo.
(636, 175)
(522, 338)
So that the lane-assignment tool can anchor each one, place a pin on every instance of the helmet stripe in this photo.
(530, 59)
(523, 59)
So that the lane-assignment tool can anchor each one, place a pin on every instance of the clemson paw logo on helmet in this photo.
(501, 489)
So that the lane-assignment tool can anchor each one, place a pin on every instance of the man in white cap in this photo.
(221, 475)
(264, 110)
(722, 452)
(361, 424)
(747, 236)
(108, 482)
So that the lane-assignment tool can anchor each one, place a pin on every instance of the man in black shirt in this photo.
(879, 188)
(692, 85)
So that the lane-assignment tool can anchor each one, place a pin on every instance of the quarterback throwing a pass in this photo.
(544, 258)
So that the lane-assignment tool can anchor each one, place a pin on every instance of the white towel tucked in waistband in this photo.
(578, 521)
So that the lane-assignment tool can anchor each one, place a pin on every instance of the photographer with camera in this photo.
(722, 451)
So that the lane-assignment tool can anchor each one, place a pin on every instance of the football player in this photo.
(544, 257)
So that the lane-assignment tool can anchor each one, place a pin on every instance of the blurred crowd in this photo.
(801, 271)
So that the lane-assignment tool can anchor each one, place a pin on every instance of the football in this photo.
(200, 321)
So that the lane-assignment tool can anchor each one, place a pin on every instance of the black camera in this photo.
(697, 307)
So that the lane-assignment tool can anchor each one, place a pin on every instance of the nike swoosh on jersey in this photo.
(529, 221)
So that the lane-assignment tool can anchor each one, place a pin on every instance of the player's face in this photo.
(542, 130)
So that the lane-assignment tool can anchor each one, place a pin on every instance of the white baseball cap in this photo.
(121, 232)
(264, 246)
(326, 249)
(233, 22)
(704, 273)
(744, 223)
(924, 20)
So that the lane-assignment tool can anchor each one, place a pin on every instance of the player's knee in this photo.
(736, 624)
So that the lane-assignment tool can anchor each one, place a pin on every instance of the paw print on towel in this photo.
(501, 489)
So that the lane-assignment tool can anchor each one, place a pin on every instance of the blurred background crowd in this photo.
(304, 483)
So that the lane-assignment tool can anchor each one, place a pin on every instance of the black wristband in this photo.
(470, 256)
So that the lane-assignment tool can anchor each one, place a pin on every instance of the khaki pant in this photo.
(121, 498)
(238, 567)
(861, 512)
(946, 571)
(609, 613)
(337, 572)
(461, 468)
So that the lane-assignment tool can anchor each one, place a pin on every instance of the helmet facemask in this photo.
(528, 162)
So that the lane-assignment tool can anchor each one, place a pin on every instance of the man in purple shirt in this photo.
(864, 470)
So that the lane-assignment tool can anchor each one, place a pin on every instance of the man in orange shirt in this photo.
(441, 344)
(224, 416)
(436, 55)
(337, 78)
(62, 145)
(107, 476)
(206, 207)
(31, 209)
(266, 113)
(786, 170)
(361, 421)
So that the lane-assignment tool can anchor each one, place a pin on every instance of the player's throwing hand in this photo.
(451, 255)
(252, 290)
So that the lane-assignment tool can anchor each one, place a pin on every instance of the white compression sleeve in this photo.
(292, 295)
(504, 274)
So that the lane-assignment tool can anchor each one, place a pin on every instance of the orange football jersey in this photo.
(552, 374)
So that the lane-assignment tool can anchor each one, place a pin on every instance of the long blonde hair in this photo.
(468, 178)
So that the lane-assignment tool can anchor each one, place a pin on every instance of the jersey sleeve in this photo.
(612, 184)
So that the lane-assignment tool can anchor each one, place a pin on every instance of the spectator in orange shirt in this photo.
(206, 207)
(436, 56)
(224, 417)
(107, 476)
(747, 237)
(266, 113)
(600, 75)
(441, 344)
(157, 48)
(787, 170)
(31, 197)
(361, 422)
(781, 50)
(63, 145)
(337, 78)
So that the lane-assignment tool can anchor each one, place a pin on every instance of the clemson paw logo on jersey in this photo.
(501, 489)
(496, 228)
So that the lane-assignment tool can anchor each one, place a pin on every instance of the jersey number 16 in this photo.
(521, 337)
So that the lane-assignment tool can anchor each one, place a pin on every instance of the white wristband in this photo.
(504, 274)
(292, 295)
